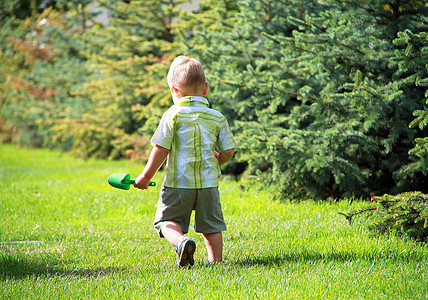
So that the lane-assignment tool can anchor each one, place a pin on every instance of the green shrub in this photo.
(404, 215)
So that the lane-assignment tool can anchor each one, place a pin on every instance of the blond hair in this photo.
(186, 72)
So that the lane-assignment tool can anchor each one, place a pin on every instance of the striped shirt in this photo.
(192, 131)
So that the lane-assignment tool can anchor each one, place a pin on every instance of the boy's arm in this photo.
(225, 156)
(156, 159)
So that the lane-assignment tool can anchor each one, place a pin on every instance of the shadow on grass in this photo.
(12, 268)
(307, 257)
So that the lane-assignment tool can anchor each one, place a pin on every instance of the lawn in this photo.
(65, 233)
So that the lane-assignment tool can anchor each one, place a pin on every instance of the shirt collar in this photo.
(192, 101)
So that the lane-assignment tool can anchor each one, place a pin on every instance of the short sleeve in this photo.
(164, 133)
(225, 139)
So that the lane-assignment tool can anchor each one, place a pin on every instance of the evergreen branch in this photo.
(368, 91)
(280, 42)
(277, 40)
(267, 9)
(352, 48)
(241, 85)
(421, 116)
(264, 22)
(164, 22)
(304, 23)
(371, 10)
(309, 51)
(238, 49)
(349, 216)
(111, 8)
(357, 5)
(312, 43)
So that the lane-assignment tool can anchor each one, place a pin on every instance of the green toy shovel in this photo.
(123, 181)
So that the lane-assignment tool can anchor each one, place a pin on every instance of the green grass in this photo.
(93, 241)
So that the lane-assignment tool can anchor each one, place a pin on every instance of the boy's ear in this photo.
(206, 88)
(174, 90)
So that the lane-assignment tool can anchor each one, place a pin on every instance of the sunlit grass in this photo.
(89, 240)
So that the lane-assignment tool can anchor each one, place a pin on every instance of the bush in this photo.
(404, 215)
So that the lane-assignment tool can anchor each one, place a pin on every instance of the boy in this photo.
(188, 134)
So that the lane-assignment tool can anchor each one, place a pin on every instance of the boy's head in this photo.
(186, 77)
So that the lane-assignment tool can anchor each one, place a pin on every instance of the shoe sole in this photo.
(186, 257)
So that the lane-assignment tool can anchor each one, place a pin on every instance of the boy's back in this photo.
(192, 131)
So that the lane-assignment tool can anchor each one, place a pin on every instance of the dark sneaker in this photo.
(185, 249)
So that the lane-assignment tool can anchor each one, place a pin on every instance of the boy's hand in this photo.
(156, 159)
(142, 182)
(217, 155)
(224, 156)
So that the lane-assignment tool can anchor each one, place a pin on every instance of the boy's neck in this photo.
(176, 100)
(190, 95)
(195, 92)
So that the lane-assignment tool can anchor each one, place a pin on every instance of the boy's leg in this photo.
(214, 243)
(172, 232)
(173, 212)
(184, 247)
(209, 218)
(176, 204)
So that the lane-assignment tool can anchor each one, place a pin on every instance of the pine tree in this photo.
(318, 102)
(229, 42)
(358, 120)
(130, 56)
(412, 59)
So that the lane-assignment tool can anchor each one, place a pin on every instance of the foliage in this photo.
(355, 126)
(412, 59)
(106, 82)
(320, 94)
(404, 215)
(316, 101)
(228, 41)
(42, 70)
(129, 56)
(10, 10)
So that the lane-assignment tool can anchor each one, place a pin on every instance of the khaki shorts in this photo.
(176, 204)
